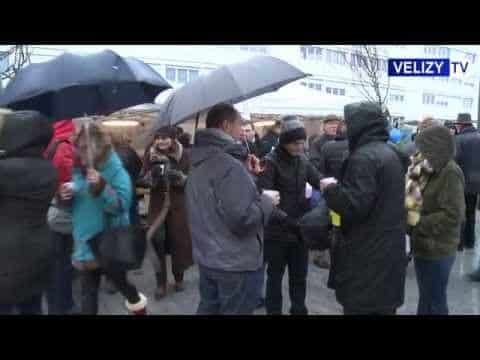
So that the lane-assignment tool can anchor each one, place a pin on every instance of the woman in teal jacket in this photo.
(102, 198)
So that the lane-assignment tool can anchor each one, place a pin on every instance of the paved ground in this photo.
(463, 295)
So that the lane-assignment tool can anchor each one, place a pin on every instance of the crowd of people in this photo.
(232, 204)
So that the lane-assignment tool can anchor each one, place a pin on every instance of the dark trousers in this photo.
(32, 306)
(90, 284)
(468, 233)
(432, 279)
(160, 266)
(59, 294)
(295, 256)
(229, 293)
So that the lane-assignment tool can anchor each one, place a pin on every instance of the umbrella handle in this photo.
(196, 126)
(248, 147)
(89, 146)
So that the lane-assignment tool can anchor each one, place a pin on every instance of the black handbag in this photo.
(121, 248)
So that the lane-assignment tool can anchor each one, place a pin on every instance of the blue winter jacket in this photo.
(92, 215)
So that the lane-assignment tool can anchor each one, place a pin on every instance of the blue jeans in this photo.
(32, 306)
(229, 293)
(59, 295)
(432, 279)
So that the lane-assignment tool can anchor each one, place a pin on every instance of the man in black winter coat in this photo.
(27, 185)
(468, 150)
(330, 126)
(369, 258)
(330, 162)
(287, 170)
(269, 140)
(334, 153)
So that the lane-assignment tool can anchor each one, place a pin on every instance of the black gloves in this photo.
(176, 177)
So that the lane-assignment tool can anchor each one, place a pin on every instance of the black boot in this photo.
(110, 287)
(161, 290)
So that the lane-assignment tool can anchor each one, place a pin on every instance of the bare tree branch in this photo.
(367, 67)
(17, 56)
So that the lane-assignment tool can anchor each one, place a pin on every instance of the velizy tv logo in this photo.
(425, 67)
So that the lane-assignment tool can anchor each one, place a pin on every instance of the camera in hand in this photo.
(159, 172)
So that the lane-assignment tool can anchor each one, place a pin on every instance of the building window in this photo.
(430, 50)
(192, 75)
(335, 91)
(181, 75)
(312, 52)
(358, 60)
(171, 74)
(336, 57)
(467, 103)
(428, 99)
(396, 98)
(314, 85)
(444, 52)
(254, 49)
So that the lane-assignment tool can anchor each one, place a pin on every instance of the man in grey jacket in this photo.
(227, 217)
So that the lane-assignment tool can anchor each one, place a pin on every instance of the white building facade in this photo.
(331, 84)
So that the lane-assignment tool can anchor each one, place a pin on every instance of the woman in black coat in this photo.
(27, 185)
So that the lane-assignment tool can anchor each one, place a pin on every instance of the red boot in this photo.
(139, 308)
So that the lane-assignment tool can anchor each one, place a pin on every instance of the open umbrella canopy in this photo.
(229, 83)
(73, 85)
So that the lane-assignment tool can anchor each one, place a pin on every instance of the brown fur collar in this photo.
(175, 152)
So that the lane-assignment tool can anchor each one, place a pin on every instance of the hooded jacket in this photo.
(468, 148)
(369, 262)
(332, 156)
(268, 142)
(437, 234)
(27, 185)
(315, 151)
(226, 212)
(63, 158)
(91, 214)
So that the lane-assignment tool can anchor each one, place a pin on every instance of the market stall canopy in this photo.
(70, 86)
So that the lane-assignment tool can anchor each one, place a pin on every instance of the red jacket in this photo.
(64, 155)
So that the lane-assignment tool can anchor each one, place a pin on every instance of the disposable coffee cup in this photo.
(272, 194)
(69, 185)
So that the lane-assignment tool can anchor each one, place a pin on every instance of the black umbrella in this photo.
(71, 85)
(229, 83)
